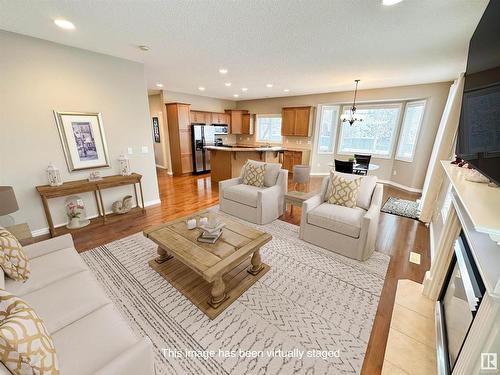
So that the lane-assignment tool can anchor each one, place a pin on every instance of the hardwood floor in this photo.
(397, 236)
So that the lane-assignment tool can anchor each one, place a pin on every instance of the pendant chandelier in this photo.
(352, 116)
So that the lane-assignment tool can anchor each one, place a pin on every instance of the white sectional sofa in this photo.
(89, 334)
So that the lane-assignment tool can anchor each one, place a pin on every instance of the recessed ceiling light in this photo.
(143, 48)
(64, 24)
(235, 95)
(269, 85)
(222, 71)
(390, 2)
(286, 90)
(244, 89)
(227, 84)
(159, 85)
(201, 88)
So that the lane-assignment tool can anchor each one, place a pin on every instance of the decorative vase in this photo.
(124, 165)
(73, 223)
(54, 175)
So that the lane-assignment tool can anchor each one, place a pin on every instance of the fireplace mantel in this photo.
(475, 209)
(480, 201)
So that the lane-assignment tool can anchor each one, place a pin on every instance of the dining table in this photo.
(356, 167)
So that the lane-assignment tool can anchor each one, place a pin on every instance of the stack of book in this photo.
(210, 235)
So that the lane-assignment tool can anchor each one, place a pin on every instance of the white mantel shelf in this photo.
(482, 202)
(478, 208)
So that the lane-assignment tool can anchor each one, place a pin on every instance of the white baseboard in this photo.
(170, 173)
(42, 231)
(161, 166)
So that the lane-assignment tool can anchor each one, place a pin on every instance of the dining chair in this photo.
(363, 162)
(344, 166)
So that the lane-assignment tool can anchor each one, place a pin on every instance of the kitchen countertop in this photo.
(245, 149)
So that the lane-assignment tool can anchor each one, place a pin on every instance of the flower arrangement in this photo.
(73, 210)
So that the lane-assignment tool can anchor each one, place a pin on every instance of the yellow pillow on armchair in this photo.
(341, 191)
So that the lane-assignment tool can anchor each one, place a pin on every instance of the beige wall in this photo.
(199, 103)
(202, 103)
(39, 77)
(407, 174)
(162, 149)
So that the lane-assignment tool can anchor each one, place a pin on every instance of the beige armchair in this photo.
(347, 231)
(259, 205)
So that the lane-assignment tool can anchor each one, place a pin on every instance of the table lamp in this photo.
(8, 205)
(301, 175)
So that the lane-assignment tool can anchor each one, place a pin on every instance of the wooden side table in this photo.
(22, 232)
(296, 198)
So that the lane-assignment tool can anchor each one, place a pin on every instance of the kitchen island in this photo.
(226, 161)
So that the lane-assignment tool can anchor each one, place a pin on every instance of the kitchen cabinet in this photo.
(247, 123)
(199, 117)
(220, 118)
(179, 119)
(236, 121)
(295, 121)
(295, 157)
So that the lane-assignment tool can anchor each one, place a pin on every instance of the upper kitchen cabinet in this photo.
(220, 118)
(198, 117)
(179, 119)
(295, 121)
(247, 123)
(236, 121)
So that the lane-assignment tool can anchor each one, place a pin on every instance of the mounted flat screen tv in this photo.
(479, 127)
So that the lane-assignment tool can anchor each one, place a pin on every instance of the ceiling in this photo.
(304, 46)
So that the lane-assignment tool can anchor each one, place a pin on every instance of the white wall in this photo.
(38, 77)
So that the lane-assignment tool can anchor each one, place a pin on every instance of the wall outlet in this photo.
(144, 149)
(130, 150)
(394, 172)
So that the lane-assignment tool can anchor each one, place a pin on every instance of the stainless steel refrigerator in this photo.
(202, 136)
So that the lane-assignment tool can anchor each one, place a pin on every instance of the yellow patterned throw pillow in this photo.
(254, 174)
(25, 344)
(13, 260)
(342, 192)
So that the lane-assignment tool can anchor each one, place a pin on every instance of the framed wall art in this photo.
(83, 140)
(156, 130)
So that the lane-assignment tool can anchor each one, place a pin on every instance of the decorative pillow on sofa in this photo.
(13, 260)
(25, 343)
(342, 191)
(254, 174)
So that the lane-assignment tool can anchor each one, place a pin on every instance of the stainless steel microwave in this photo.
(221, 129)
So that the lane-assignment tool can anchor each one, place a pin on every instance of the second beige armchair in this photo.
(347, 231)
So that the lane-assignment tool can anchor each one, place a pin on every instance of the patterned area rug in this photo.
(401, 207)
(312, 313)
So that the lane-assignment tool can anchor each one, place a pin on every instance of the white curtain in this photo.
(442, 149)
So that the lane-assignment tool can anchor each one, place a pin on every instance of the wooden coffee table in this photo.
(212, 276)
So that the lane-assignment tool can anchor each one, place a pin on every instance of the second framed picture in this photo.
(83, 140)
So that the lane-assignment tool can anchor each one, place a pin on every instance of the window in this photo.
(326, 135)
(269, 128)
(375, 134)
(414, 113)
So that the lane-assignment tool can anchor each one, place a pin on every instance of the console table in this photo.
(84, 186)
